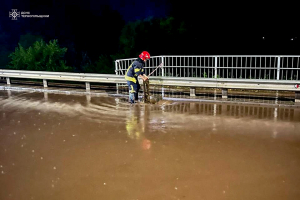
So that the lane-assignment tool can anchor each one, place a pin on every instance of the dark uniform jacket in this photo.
(134, 70)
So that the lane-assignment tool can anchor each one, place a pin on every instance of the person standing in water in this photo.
(135, 70)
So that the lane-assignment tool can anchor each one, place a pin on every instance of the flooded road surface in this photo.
(79, 147)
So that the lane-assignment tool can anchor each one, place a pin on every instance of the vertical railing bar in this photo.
(173, 66)
(208, 67)
(246, 68)
(149, 69)
(212, 63)
(270, 69)
(176, 65)
(287, 66)
(281, 67)
(192, 67)
(278, 68)
(227, 67)
(159, 72)
(236, 66)
(223, 66)
(275, 59)
(204, 67)
(219, 66)
(250, 67)
(121, 65)
(196, 67)
(169, 65)
(292, 67)
(209, 62)
(255, 69)
(265, 67)
(200, 66)
(124, 65)
(297, 68)
(183, 68)
(273, 66)
(216, 67)
(153, 64)
(241, 67)
(231, 67)
(148, 64)
(260, 67)
(180, 66)
(121, 68)
(163, 66)
(188, 67)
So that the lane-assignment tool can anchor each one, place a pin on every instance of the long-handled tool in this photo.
(161, 64)
(146, 86)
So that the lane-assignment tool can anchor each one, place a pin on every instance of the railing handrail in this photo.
(3, 71)
(215, 56)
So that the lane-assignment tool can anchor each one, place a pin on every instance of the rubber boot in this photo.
(131, 97)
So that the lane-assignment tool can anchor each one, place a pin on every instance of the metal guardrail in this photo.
(63, 76)
(227, 83)
(156, 80)
(267, 67)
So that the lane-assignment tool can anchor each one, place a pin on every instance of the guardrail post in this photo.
(116, 70)
(215, 94)
(88, 86)
(216, 66)
(7, 80)
(278, 68)
(224, 93)
(297, 97)
(45, 83)
(192, 91)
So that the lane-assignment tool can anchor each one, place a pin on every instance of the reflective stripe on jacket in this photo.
(134, 70)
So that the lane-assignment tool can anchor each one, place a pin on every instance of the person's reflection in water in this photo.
(146, 144)
(135, 126)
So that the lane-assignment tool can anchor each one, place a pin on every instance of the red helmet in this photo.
(144, 55)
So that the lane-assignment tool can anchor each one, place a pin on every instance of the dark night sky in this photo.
(129, 9)
(275, 23)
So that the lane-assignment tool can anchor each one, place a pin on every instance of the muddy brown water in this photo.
(74, 147)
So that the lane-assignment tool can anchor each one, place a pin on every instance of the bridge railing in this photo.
(267, 67)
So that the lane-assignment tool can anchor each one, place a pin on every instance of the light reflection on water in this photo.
(111, 108)
(141, 117)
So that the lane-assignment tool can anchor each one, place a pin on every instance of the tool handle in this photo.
(155, 69)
